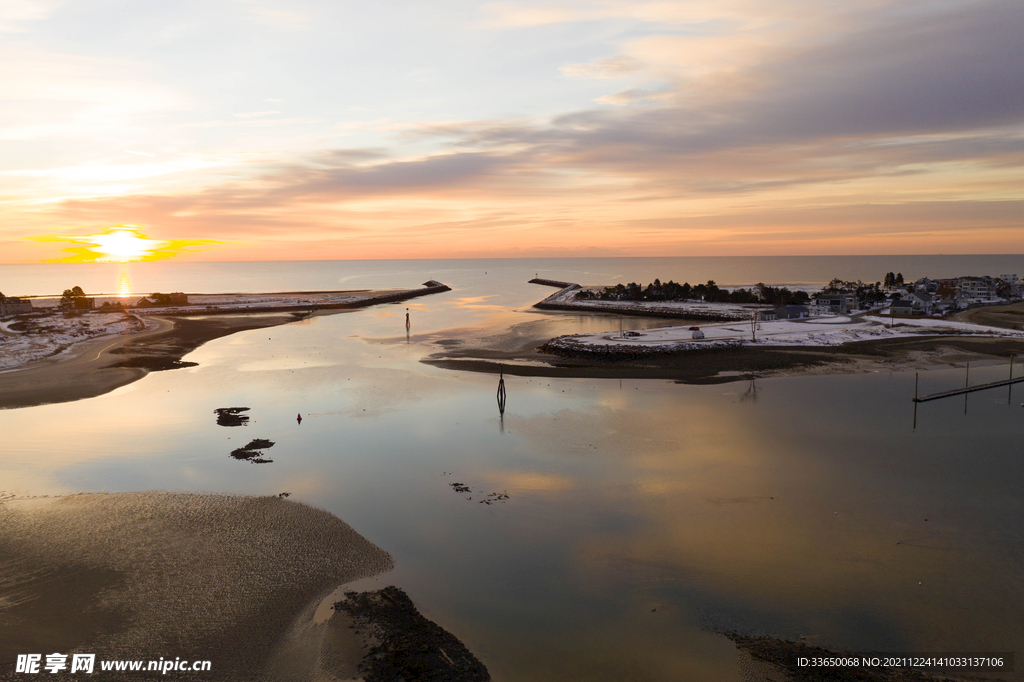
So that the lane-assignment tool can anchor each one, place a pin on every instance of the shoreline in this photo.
(102, 365)
(727, 359)
(97, 366)
(724, 365)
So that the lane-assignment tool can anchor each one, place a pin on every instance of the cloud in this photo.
(632, 95)
(609, 67)
(255, 114)
(14, 14)
(54, 95)
(275, 15)
(898, 125)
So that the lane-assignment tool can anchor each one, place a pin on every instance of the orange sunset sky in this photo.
(264, 129)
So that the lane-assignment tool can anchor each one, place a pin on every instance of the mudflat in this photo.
(1006, 316)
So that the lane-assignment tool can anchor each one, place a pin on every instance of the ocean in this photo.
(254, 277)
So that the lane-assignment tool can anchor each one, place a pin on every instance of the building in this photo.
(976, 288)
(921, 302)
(1016, 285)
(837, 302)
(902, 306)
(14, 306)
(177, 298)
(791, 312)
(929, 286)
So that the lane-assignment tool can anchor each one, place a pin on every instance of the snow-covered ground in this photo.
(236, 302)
(823, 331)
(47, 335)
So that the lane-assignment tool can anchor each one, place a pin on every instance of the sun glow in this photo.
(120, 244)
(123, 244)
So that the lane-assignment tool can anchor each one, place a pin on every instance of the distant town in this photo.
(923, 297)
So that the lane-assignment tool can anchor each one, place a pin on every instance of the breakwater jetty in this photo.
(429, 287)
(552, 283)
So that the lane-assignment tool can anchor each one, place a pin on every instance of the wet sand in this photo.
(93, 368)
(734, 364)
(145, 575)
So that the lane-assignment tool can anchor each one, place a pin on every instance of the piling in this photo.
(501, 393)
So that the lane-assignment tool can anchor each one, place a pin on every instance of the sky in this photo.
(266, 130)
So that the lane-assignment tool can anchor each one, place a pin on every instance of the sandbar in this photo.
(723, 365)
(92, 368)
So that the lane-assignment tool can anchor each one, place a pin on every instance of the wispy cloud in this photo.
(256, 114)
(609, 67)
(277, 15)
(16, 14)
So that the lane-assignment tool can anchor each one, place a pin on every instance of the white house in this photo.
(976, 288)
(921, 302)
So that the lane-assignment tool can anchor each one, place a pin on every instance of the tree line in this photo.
(711, 292)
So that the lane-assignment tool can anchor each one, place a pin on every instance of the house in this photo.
(1016, 285)
(926, 285)
(791, 312)
(836, 302)
(177, 298)
(976, 288)
(902, 306)
(14, 306)
(921, 303)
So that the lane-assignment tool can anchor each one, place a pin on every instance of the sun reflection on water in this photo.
(124, 284)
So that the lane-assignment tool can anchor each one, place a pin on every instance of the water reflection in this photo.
(751, 392)
(640, 515)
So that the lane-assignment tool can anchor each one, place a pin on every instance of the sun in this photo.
(122, 244)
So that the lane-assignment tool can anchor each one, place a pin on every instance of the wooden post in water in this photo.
(1009, 389)
(915, 387)
(501, 393)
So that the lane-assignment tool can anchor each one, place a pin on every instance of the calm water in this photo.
(642, 515)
